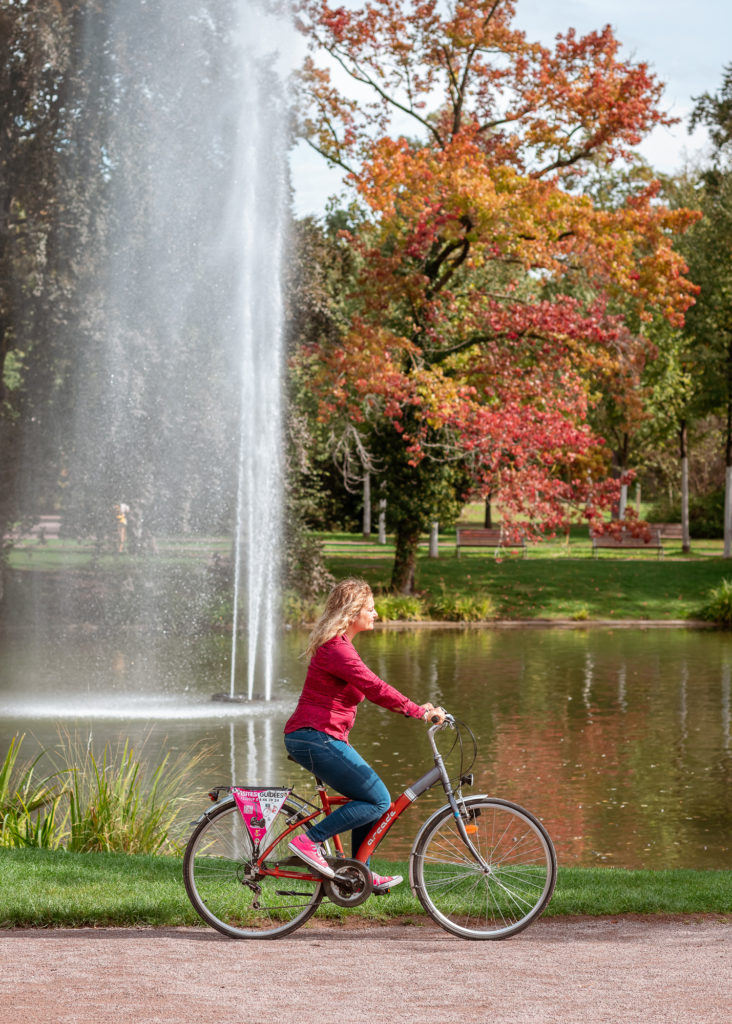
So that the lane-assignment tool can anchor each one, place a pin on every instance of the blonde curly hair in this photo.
(344, 602)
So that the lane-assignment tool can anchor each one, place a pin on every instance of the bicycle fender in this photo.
(468, 800)
(206, 816)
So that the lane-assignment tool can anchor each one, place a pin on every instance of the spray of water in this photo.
(179, 409)
(259, 219)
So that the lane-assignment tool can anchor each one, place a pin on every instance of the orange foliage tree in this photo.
(491, 288)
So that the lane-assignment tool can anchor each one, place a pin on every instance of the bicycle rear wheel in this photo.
(225, 888)
(469, 900)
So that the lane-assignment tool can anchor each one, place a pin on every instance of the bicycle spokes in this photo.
(498, 897)
(233, 892)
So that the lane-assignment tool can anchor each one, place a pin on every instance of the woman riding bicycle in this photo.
(316, 735)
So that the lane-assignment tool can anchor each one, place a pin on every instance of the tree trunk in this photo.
(487, 519)
(366, 504)
(405, 561)
(621, 461)
(684, 456)
(728, 512)
(434, 540)
(623, 501)
(728, 484)
(382, 520)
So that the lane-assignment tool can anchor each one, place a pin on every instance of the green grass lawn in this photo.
(555, 588)
(56, 555)
(40, 888)
(555, 581)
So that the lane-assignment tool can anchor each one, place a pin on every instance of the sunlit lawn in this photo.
(71, 554)
(40, 888)
(557, 579)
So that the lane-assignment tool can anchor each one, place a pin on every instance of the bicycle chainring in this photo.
(352, 884)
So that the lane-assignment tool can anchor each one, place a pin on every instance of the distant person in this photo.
(316, 735)
(139, 538)
(121, 512)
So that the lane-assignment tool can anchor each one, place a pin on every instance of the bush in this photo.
(706, 514)
(395, 607)
(719, 605)
(452, 607)
(301, 611)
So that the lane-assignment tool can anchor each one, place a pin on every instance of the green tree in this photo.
(708, 252)
(53, 220)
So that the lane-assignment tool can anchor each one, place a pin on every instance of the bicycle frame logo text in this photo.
(382, 826)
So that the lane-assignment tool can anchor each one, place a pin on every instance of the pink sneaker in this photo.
(312, 854)
(382, 883)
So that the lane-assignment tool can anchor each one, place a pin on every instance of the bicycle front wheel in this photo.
(476, 902)
(228, 891)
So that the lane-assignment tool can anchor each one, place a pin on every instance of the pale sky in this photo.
(685, 44)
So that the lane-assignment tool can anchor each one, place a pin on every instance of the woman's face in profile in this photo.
(365, 618)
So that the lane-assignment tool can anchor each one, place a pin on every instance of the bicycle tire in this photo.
(215, 866)
(464, 898)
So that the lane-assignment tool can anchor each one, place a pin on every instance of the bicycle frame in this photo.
(381, 827)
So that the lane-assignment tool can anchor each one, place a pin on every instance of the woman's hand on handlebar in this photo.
(432, 714)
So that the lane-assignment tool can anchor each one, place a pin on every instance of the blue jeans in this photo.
(341, 768)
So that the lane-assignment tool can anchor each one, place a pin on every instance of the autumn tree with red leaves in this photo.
(492, 288)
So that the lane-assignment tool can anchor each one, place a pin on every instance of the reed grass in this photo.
(28, 802)
(108, 801)
(119, 803)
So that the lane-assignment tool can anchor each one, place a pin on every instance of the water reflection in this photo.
(618, 739)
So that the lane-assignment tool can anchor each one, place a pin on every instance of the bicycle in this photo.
(482, 867)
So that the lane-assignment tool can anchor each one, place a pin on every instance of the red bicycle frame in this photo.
(375, 835)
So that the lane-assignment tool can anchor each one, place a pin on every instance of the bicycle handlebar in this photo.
(447, 720)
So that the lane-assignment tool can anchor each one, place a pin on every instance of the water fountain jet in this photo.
(179, 407)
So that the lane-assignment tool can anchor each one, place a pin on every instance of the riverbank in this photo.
(54, 889)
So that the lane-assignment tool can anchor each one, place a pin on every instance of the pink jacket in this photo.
(336, 683)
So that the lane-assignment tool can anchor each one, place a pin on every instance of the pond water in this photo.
(619, 739)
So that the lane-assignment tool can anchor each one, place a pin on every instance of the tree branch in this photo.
(358, 75)
(464, 246)
(477, 339)
(580, 154)
(329, 156)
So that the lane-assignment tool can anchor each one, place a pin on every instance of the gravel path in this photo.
(588, 971)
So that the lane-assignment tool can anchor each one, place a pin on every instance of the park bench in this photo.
(474, 537)
(669, 531)
(626, 541)
(47, 528)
